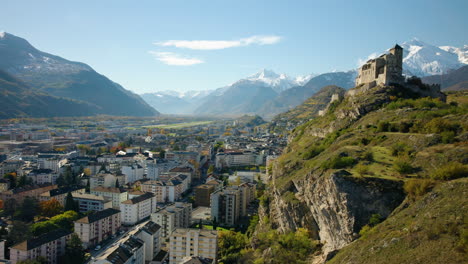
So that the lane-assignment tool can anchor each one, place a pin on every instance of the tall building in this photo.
(173, 216)
(150, 234)
(50, 246)
(98, 226)
(202, 194)
(91, 202)
(226, 206)
(138, 208)
(192, 242)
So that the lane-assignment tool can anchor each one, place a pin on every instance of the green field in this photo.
(180, 125)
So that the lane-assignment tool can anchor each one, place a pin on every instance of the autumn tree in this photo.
(50, 208)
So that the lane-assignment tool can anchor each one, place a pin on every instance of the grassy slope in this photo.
(430, 230)
(350, 141)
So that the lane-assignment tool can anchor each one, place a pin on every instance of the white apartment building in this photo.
(116, 195)
(132, 251)
(185, 242)
(98, 226)
(237, 158)
(150, 234)
(177, 215)
(138, 208)
(133, 172)
(43, 176)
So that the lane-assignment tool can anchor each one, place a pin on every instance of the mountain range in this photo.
(56, 77)
(267, 93)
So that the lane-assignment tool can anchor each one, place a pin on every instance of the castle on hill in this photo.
(385, 70)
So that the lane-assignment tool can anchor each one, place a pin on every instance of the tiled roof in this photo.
(41, 240)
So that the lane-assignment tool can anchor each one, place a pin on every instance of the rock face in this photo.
(335, 207)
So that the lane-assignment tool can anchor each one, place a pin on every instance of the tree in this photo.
(9, 207)
(70, 204)
(200, 224)
(50, 208)
(215, 223)
(211, 169)
(28, 209)
(23, 181)
(11, 177)
(162, 154)
(60, 181)
(74, 252)
(117, 185)
(18, 232)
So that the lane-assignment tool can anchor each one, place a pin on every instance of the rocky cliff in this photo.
(341, 169)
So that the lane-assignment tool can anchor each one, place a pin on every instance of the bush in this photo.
(402, 166)
(383, 126)
(449, 171)
(375, 219)
(399, 149)
(312, 152)
(418, 187)
(440, 125)
(338, 162)
(364, 230)
(361, 169)
(368, 156)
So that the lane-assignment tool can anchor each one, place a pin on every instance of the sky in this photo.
(181, 45)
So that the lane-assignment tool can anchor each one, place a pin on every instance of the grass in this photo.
(180, 125)
(431, 230)
(210, 227)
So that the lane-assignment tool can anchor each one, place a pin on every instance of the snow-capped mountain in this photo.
(423, 59)
(278, 82)
(462, 53)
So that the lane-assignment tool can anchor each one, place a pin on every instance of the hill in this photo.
(74, 80)
(455, 80)
(305, 111)
(19, 100)
(348, 171)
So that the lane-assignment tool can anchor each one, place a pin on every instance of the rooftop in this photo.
(201, 232)
(41, 240)
(139, 199)
(108, 189)
(91, 218)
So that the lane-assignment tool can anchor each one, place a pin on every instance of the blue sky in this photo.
(149, 45)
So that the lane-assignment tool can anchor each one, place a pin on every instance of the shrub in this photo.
(364, 230)
(439, 125)
(368, 156)
(383, 126)
(338, 162)
(402, 166)
(312, 152)
(448, 137)
(449, 171)
(375, 219)
(418, 187)
(399, 149)
(361, 169)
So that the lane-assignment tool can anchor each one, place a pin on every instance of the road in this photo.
(113, 244)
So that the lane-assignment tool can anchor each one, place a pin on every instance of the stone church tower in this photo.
(387, 69)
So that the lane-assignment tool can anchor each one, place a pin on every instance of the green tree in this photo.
(74, 252)
(9, 207)
(11, 177)
(70, 204)
(117, 185)
(211, 169)
(18, 232)
(28, 210)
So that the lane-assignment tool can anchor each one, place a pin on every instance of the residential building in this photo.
(27, 191)
(43, 176)
(152, 171)
(226, 206)
(106, 180)
(4, 185)
(133, 172)
(202, 194)
(185, 242)
(138, 208)
(97, 226)
(177, 215)
(91, 202)
(182, 156)
(50, 246)
(237, 158)
(132, 251)
(150, 233)
(60, 194)
(116, 195)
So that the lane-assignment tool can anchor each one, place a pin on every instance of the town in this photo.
(128, 191)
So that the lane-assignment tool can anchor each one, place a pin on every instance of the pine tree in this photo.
(117, 185)
(70, 204)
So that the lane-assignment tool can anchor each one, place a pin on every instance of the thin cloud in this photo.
(220, 44)
(175, 59)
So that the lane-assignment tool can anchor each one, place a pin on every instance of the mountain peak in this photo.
(265, 74)
(2, 34)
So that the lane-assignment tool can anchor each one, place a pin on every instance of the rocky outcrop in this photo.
(335, 207)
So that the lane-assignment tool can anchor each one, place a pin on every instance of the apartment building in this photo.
(132, 251)
(150, 234)
(202, 194)
(60, 194)
(133, 172)
(97, 226)
(185, 242)
(43, 176)
(177, 215)
(237, 158)
(138, 208)
(116, 195)
(50, 246)
(91, 202)
(19, 194)
(226, 206)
